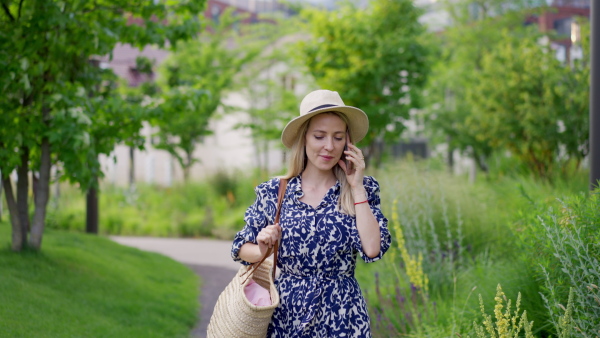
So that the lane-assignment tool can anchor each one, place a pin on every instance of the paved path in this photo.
(211, 259)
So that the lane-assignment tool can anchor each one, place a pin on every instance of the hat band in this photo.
(323, 106)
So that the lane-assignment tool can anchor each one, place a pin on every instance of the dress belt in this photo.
(312, 298)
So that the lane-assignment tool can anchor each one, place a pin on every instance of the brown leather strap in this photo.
(280, 196)
(275, 249)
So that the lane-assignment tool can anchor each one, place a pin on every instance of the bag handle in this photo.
(275, 249)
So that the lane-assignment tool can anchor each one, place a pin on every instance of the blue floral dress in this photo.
(317, 257)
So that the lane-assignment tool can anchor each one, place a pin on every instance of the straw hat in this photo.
(321, 101)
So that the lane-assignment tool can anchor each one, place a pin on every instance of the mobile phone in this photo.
(349, 164)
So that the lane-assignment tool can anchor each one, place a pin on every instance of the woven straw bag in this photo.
(234, 316)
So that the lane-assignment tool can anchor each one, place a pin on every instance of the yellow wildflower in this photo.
(414, 267)
(506, 324)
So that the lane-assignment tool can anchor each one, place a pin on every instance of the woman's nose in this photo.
(329, 144)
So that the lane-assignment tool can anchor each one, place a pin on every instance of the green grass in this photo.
(87, 286)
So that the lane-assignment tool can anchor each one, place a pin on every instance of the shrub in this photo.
(568, 241)
(468, 237)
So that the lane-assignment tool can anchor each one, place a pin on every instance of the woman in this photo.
(330, 213)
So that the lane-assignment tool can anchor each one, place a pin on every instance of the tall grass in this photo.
(567, 246)
(468, 236)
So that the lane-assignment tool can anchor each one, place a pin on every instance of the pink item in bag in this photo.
(256, 294)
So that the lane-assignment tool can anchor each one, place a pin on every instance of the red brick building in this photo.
(561, 19)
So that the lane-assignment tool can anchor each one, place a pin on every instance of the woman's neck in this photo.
(312, 178)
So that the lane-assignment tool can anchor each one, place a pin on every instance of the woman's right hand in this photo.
(267, 237)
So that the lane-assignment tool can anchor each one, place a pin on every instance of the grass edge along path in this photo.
(85, 285)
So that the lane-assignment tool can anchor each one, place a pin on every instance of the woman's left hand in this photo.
(354, 155)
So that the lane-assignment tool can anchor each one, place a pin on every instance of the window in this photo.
(563, 26)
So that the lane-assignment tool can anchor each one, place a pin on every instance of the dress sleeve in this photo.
(372, 188)
(257, 216)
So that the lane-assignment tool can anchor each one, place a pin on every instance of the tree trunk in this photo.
(91, 224)
(480, 160)
(450, 155)
(187, 167)
(374, 153)
(131, 167)
(473, 172)
(13, 210)
(42, 195)
(370, 150)
(1, 205)
(22, 193)
(34, 184)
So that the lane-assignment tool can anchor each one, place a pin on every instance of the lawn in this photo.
(83, 285)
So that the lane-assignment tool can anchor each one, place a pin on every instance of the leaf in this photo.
(78, 114)
(24, 64)
(26, 83)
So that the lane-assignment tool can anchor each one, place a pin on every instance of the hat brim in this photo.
(358, 124)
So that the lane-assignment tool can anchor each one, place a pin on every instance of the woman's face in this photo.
(325, 141)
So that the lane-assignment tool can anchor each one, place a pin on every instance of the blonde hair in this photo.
(298, 160)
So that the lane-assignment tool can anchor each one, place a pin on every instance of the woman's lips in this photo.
(328, 158)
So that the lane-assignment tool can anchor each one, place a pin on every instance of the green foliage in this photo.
(193, 81)
(564, 327)
(137, 104)
(373, 57)
(496, 87)
(214, 208)
(519, 93)
(459, 57)
(470, 237)
(85, 285)
(269, 83)
(60, 107)
(52, 49)
(564, 239)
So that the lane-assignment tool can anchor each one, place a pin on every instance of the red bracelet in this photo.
(357, 203)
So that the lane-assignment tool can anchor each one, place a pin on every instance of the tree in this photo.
(269, 82)
(374, 58)
(142, 99)
(477, 28)
(50, 83)
(526, 102)
(193, 80)
(495, 89)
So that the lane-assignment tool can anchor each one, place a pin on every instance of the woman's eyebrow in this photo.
(323, 131)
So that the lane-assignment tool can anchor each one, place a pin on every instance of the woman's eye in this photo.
(339, 138)
(319, 137)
